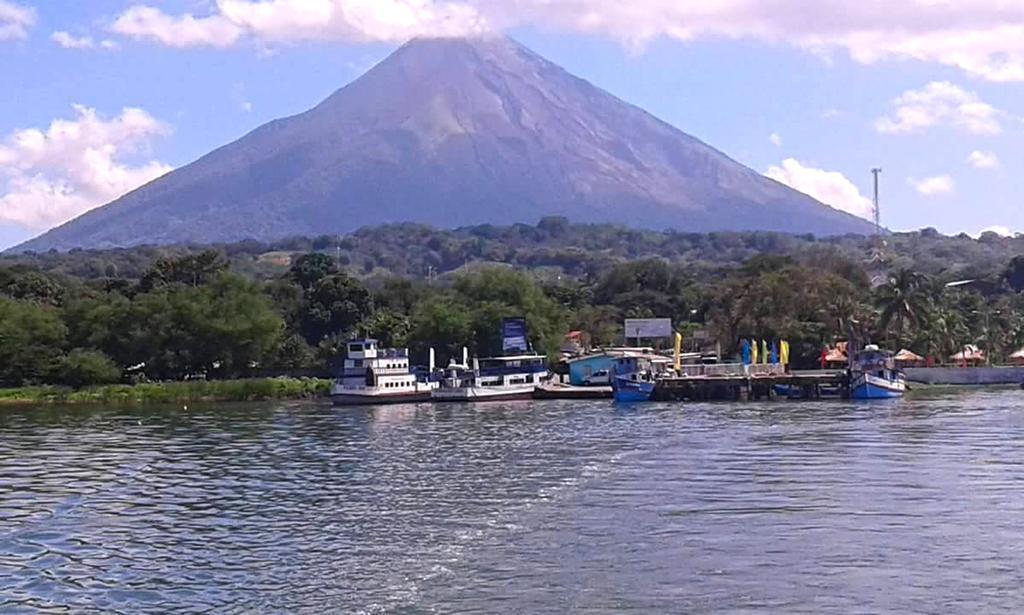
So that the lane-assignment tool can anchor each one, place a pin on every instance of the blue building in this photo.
(594, 366)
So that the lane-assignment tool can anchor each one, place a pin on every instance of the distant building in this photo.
(574, 343)
(593, 368)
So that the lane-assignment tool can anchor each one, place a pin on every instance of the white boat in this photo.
(492, 379)
(874, 375)
(374, 375)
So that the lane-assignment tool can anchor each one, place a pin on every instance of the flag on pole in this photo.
(753, 352)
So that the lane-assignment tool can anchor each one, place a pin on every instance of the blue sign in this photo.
(513, 335)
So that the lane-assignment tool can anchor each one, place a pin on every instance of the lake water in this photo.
(549, 507)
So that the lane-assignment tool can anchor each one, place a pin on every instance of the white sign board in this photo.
(648, 327)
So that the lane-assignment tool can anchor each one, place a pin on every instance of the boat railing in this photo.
(512, 371)
(714, 370)
(771, 369)
(732, 370)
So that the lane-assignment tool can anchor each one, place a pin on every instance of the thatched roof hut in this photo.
(970, 355)
(908, 358)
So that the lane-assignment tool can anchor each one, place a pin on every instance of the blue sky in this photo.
(813, 93)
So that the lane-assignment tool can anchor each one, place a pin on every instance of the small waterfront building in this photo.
(594, 368)
(573, 344)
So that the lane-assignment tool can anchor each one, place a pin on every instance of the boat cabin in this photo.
(511, 371)
(367, 365)
(876, 362)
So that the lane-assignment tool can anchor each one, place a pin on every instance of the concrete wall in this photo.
(965, 375)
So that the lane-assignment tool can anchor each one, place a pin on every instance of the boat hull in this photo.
(572, 392)
(480, 394)
(374, 399)
(868, 387)
(628, 391)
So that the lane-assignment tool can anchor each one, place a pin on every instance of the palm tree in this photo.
(901, 301)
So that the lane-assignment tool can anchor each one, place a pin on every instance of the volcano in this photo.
(453, 132)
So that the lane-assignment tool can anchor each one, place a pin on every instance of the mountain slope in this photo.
(453, 132)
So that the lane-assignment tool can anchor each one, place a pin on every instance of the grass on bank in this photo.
(259, 389)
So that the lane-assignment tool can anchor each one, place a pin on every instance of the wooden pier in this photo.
(739, 383)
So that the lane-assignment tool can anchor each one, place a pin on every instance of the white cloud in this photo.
(15, 21)
(829, 187)
(284, 21)
(151, 24)
(933, 186)
(984, 38)
(1000, 230)
(775, 139)
(983, 160)
(70, 41)
(941, 103)
(48, 176)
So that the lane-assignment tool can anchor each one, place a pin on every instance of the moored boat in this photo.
(633, 379)
(493, 379)
(874, 375)
(374, 375)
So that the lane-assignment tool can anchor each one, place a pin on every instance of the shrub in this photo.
(82, 368)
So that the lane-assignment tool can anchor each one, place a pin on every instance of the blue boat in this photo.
(874, 375)
(632, 380)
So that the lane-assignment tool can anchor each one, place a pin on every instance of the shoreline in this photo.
(242, 390)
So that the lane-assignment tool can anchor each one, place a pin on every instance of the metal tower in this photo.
(878, 212)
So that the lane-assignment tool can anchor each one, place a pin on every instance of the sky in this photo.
(102, 96)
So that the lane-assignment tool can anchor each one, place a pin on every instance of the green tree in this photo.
(225, 328)
(32, 339)
(495, 293)
(442, 323)
(334, 306)
(192, 270)
(309, 269)
(82, 368)
(390, 328)
(31, 286)
(1014, 274)
(902, 303)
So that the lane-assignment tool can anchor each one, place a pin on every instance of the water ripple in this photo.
(546, 507)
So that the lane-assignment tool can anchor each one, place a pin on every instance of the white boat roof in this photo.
(517, 357)
(616, 353)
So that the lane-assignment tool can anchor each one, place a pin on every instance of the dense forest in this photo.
(245, 309)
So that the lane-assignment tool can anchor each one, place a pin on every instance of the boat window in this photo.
(355, 347)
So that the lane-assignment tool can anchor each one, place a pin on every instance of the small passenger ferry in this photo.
(874, 375)
(492, 379)
(374, 375)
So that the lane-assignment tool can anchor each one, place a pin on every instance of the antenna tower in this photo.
(878, 211)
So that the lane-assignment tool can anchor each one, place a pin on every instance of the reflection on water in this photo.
(519, 507)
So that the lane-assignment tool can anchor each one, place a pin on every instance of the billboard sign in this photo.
(641, 328)
(513, 335)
